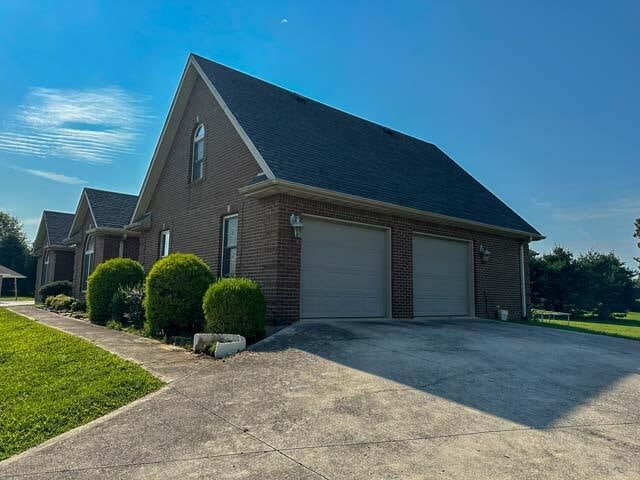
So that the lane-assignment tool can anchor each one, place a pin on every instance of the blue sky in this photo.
(537, 100)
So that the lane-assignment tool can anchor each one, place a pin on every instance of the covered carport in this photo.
(6, 272)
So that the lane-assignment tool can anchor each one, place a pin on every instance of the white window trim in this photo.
(194, 140)
(222, 246)
(45, 268)
(164, 252)
(85, 281)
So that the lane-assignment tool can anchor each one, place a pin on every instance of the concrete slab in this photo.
(374, 399)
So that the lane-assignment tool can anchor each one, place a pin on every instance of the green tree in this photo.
(10, 225)
(606, 285)
(15, 254)
(637, 235)
(553, 276)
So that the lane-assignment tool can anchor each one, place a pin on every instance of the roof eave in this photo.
(274, 186)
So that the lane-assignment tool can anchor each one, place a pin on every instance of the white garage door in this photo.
(343, 270)
(441, 277)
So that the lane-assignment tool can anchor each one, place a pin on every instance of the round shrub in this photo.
(236, 306)
(174, 289)
(105, 281)
(52, 289)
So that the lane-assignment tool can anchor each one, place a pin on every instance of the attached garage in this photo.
(442, 277)
(344, 270)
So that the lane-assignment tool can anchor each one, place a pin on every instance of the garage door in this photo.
(343, 270)
(441, 277)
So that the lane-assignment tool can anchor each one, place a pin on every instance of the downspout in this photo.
(523, 287)
(121, 248)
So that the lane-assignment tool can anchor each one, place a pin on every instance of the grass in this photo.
(51, 382)
(7, 298)
(625, 327)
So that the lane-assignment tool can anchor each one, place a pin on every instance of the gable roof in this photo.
(57, 225)
(304, 142)
(107, 209)
(111, 209)
(53, 229)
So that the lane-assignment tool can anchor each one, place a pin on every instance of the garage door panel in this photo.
(441, 277)
(343, 270)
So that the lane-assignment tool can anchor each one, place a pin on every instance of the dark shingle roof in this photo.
(111, 209)
(307, 142)
(57, 225)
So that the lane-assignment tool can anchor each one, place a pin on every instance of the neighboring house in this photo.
(334, 215)
(97, 233)
(55, 259)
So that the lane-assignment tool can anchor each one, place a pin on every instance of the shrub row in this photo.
(179, 298)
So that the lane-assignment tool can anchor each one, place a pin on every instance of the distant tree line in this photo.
(15, 253)
(594, 282)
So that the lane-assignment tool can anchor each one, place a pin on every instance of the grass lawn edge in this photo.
(94, 376)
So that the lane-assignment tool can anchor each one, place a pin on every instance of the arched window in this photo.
(87, 267)
(197, 165)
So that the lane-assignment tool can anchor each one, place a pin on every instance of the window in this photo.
(165, 236)
(229, 245)
(87, 267)
(45, 269)
(197, 165)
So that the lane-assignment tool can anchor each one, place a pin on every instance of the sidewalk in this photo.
(167, 362)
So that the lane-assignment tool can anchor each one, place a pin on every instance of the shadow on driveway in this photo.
(532, 376)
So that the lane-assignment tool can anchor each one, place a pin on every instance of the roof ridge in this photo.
(108, 191)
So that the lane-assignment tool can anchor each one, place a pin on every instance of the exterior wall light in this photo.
(485, 253)
(297, 225)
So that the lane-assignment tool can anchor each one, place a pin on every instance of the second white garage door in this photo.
(343, 270)
(441, 277)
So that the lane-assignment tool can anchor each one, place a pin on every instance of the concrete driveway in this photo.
(377, 400)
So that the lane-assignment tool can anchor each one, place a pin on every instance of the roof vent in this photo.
(299, 98)
(388, 131)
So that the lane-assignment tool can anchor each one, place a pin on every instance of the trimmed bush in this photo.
(127, 305)
(237, 306)
(107, 278)
(79, 306)
(59, 302)
(52, 289)
(174, 289)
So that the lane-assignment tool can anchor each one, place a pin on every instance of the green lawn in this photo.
(51, 382)
(10, 298)
(627, 327)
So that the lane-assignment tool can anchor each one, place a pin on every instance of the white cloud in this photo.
(56, 177)
(284, 20)
(91, 125)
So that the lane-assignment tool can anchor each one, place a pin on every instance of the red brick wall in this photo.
(497, 282)
(194, 211)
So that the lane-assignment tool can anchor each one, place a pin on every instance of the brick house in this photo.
(333, 215)
(54, 258)
(97, 233)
